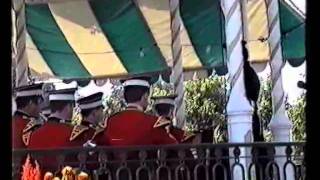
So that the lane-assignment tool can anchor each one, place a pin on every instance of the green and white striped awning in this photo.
(292, 25)
(113, 38)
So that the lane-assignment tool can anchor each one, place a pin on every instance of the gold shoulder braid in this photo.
(187, 135)
(31, 125)
(99, 129)
(77, 130)
(26, 138)
(162, 121)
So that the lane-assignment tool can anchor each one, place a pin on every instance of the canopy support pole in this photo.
(177, 69)
(239, 110)
(280, 124)
(20, 57)
(13, 49)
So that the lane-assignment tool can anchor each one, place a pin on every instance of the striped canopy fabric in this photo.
(114, 38)
(258, 46)
(293, 34)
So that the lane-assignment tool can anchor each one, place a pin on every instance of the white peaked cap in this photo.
(88, 90)
(61, 85)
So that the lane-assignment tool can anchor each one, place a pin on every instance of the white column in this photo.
(20, 44)
(280, 124)
(239, 110)
(13, 49)
(177, 68)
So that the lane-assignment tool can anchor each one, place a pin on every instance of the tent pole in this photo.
(13, 49)
(239, 110)
(280, 124)
(177, 68)
(20, 57)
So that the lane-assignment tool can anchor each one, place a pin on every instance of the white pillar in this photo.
(13, 49)
(14, 106)
(280, 124)
(177, 68)
(20, 56)
(239, 110)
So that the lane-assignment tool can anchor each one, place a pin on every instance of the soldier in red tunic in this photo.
(92, 115)
(57, 131)
(58, 127)
(24, 122)
(164, 106)
(132, 126)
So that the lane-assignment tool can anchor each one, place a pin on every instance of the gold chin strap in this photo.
(98, 129)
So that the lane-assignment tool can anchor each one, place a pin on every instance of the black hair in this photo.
(22, 102)
(134, 93)
(59, 105)
(86, 112)
(163, 109)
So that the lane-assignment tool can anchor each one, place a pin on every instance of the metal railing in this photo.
(251, 161)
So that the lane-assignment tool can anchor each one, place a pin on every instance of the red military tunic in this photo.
(94, 138)
(53, 135)
(134, 127)
(22, 127)
(95, 133)
(181, 135)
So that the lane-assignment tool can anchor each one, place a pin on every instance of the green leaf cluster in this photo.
(205, 102)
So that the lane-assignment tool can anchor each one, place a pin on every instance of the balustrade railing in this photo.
(199, 162)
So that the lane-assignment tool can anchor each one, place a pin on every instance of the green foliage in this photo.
(115, 102)
(161, 90)
(265, 107)
(205, 102)
(296, 112)
(265, 102)
(76, 118)
(297, 115)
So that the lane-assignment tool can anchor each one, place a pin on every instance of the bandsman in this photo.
(28, 101)
(133, 126)
(58, 131)
(164, 106)
(91, 109)
(92, 115)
